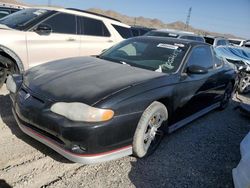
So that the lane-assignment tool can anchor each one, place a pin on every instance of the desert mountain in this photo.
(15, 2)
(155, 23)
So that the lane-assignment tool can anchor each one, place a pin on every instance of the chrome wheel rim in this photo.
(245, 83)
(152, 131)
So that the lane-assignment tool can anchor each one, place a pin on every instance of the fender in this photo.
(14, 56)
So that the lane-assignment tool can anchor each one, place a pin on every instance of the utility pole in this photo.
(188, 18)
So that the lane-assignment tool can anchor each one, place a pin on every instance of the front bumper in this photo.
(77, 141)
(78, 158)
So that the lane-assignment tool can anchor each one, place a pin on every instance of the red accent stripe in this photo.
(81, 155)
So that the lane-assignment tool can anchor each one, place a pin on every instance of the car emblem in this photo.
(26, 96)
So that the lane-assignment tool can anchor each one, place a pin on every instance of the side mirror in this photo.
(195, 69)
(43, 29)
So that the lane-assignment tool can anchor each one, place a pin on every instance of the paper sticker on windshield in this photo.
(168, 46)
(172, 35)
(179, 45)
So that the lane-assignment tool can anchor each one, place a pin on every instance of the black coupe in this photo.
(94, 109)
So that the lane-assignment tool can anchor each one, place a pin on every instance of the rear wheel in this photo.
(226, 97)
(148, 134)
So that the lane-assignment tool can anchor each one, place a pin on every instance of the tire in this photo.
(3, 75)
(148, 134)
(242, 84)
(7, 66)
(226, 96)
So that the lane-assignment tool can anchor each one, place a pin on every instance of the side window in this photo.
(221, 43)
(188, 37)
(93, 27)
(123, 31)
(62, 23)
(217, 59)
(201, 56)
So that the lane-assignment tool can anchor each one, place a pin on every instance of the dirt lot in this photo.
(200, 155)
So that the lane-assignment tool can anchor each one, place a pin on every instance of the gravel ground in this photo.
(201, 154)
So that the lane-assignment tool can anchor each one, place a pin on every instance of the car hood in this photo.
(84, 79)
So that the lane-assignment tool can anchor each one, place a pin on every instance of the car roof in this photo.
(175, 31)
(177, 40)
(215, 37)
(83, 13)
(178, 32)
(234, 39)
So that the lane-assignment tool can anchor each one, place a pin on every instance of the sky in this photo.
(224, 16)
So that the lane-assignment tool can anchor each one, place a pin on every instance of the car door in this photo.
(94, 35)
(62, 42)
(195, 91)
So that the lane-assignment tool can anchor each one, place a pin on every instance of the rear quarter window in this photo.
(93, 27)
(123, 31)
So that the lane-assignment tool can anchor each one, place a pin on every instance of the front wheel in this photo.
(244, 84)
(148, 133)
(7, 67)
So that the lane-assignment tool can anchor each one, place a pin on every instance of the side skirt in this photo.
(191, 118)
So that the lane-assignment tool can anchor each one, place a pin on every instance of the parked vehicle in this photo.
(34, 36)
(241, 174)
(244, 79)
(216, 41)
(7, 9)
(139, 31)
(246, 44)
(240, 57)
(94, 109)
(236, 42)
(175, 34)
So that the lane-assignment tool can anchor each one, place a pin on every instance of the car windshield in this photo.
(21, 18)
(156, 55)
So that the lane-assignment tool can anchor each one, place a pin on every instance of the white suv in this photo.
(37, 35)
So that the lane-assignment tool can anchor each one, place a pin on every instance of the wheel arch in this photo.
(6, 52)
(168, 104)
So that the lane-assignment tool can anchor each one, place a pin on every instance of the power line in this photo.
(188, 18)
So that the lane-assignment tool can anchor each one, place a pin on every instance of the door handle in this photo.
(71, 39)
(110, 41)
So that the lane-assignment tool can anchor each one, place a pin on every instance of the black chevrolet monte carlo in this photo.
(95, 109)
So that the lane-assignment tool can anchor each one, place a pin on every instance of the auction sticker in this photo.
(168, 46)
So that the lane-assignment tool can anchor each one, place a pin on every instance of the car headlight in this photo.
(81, 112)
